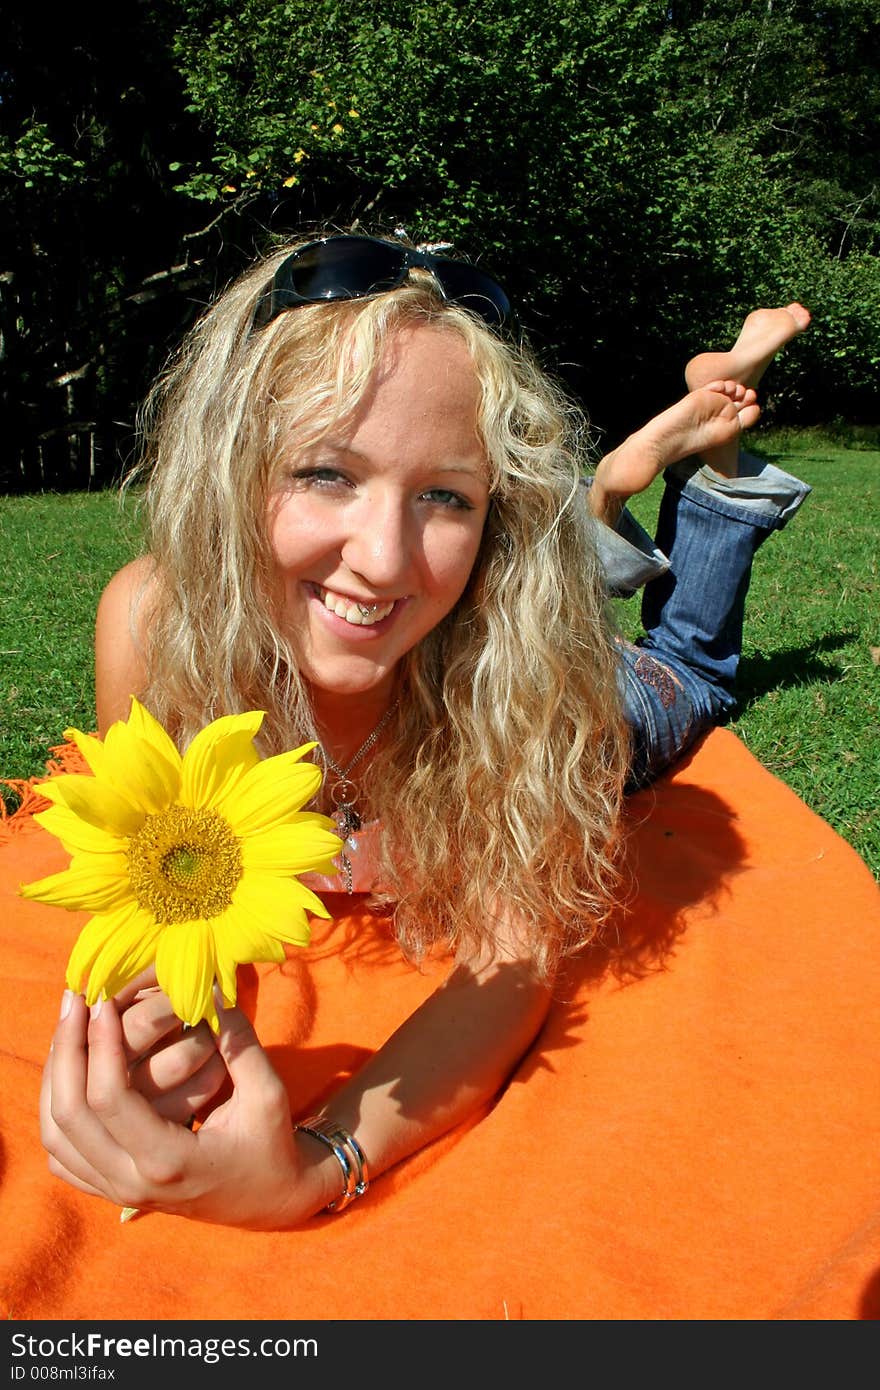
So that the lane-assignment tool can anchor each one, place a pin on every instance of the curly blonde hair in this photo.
(500, 777)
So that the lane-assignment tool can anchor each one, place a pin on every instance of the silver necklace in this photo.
(344, 794)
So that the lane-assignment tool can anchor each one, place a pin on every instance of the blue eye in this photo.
(318, 477)
(447, 498)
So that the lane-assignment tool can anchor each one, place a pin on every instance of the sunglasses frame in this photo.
(280, 295)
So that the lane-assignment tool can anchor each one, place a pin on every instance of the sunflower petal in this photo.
(292, 848)
(147, 728)
(126, 956)
(94, 801)
(106, 943)
(185, 969)
(91, 748)
(238, 940)
(89, 943)
(218, 758)
(227, 979)
(279, 906)
(270, 792)
(92, 883)
(245, 930)
(142, 761)
(77, 835)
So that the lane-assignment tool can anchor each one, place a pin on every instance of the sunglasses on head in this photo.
(354, 267)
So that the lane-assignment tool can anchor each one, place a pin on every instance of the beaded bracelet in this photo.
(348, 1154)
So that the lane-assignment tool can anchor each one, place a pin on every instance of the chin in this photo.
(351, 682)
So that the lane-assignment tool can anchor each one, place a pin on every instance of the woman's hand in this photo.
(178, 1069)
(243, 1167)
(120, 1085)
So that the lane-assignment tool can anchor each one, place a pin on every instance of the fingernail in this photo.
(66, 1002)
(96, 1007)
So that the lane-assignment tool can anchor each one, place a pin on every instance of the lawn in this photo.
(56, 553)
(810, 678)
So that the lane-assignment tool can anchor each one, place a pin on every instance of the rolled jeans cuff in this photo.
(761, 493)
(628, 556)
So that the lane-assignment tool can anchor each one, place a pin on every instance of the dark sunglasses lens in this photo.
(352, 267)
(474, 290)
(343, 267)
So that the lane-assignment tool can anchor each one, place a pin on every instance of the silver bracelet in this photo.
(348, 1154)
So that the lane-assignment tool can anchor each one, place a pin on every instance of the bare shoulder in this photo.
(123, 612)
(124, 591)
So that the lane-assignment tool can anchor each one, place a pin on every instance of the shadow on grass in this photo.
(758, 675)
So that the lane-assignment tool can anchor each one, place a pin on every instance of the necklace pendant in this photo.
(348, 822)
(346, 871)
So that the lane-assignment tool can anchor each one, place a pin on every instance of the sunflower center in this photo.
(184, 864)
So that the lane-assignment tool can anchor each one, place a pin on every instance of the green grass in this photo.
(810, 679)
(56, 554)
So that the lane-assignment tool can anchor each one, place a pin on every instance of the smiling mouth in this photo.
(352, 611)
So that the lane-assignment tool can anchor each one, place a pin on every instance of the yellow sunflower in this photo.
(189, 861)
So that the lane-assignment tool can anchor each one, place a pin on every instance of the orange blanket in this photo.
(694, 1135)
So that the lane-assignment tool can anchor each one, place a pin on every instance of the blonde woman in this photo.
(366, 518)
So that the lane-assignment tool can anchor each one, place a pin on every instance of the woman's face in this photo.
(376, 530)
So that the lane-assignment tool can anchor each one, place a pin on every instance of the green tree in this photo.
(91, 109)
(638, 174)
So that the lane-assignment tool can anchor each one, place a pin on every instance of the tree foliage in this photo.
(638, 174)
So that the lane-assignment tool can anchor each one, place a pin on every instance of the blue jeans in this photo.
(678, 680)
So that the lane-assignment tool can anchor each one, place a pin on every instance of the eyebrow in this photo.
(473, 470)
(476, 470)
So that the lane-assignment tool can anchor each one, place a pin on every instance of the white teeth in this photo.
(358, 614)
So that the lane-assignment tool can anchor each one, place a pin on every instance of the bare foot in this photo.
(706, 419)
(763, 333)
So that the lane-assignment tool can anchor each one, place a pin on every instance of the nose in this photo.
(382, 542)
